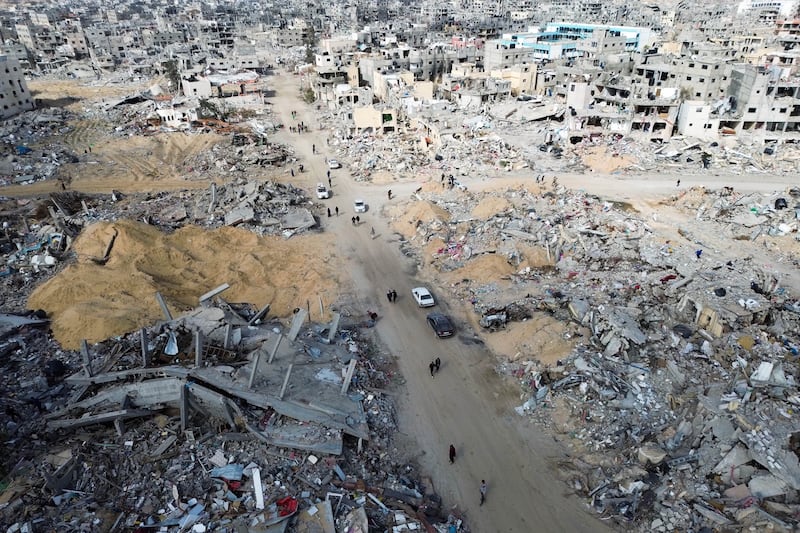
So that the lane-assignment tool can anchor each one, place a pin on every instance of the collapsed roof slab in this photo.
(329, 408)
(113, 416)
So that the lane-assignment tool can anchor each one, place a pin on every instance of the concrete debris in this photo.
(680, 393)
(258, 435)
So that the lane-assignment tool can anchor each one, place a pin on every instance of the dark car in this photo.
(441, 324)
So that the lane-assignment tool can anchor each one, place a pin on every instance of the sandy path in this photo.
(466, 404)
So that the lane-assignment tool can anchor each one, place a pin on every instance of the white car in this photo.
(322, 191)
(423, 297)
(359, 206)
(334, 164)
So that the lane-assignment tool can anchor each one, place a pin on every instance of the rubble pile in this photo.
(246, 150)
(31, 151)
(513, 136)
(680, 396)
(32, 251)
(219, 420)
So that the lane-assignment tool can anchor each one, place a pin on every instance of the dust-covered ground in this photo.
(94, 301)
(467, 405)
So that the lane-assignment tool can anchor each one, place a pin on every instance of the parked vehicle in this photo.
(334, 164)
(323, 192)
(423, 297)
(441, 324)
(360, 206)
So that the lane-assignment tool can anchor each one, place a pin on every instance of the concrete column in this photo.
(227, 342)
(334, 327)
(145, 350)
(213, 202)
(286, 381)
(198, 349)
(87, 358)
(297, 323)
(275, 348)
(184, 408)
(164, 308)
(254, 371)
(258, 316)
(348, 375)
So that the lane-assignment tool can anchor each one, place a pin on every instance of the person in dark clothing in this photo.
(452, 454)
(394, 295)
(389, 296)
(438, 363)
(432, 366)
(337, 211)
(329, 212)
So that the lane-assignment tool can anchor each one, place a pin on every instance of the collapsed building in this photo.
(676, 389)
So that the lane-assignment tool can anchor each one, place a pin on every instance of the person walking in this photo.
(394, 295)
(483, 489)
(389, 295)
(353, 220)
(452, 454)
(438, 363)
(358, 220)
(337, 211)
(678, 184)
(313, 148)
(329, 212)
(390, 194)
(292, 172)
(432, 366)
(329, 182)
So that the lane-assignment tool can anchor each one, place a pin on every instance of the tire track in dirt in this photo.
(84, 133)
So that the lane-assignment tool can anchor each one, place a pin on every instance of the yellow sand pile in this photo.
(416, 213)
(490, 206)
(95, 302)
(533, 256)
(540, 338)
(604, 160)
(485, 268)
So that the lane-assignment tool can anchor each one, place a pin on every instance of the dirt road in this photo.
(465, 404)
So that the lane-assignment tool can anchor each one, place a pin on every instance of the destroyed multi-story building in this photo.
(14, 94)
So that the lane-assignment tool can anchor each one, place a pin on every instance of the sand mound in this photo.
(490, 206)
(533, 256)
(417, 213)
(605, 160)
(485, 268)
(95, 302)
(540, 338)
(382, 177)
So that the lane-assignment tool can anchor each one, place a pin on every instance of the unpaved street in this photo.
(465, 404)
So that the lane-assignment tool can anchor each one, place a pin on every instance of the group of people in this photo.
(435, 365)
(391, 295)
(300, 128)
(356, 220)
(337, 212)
